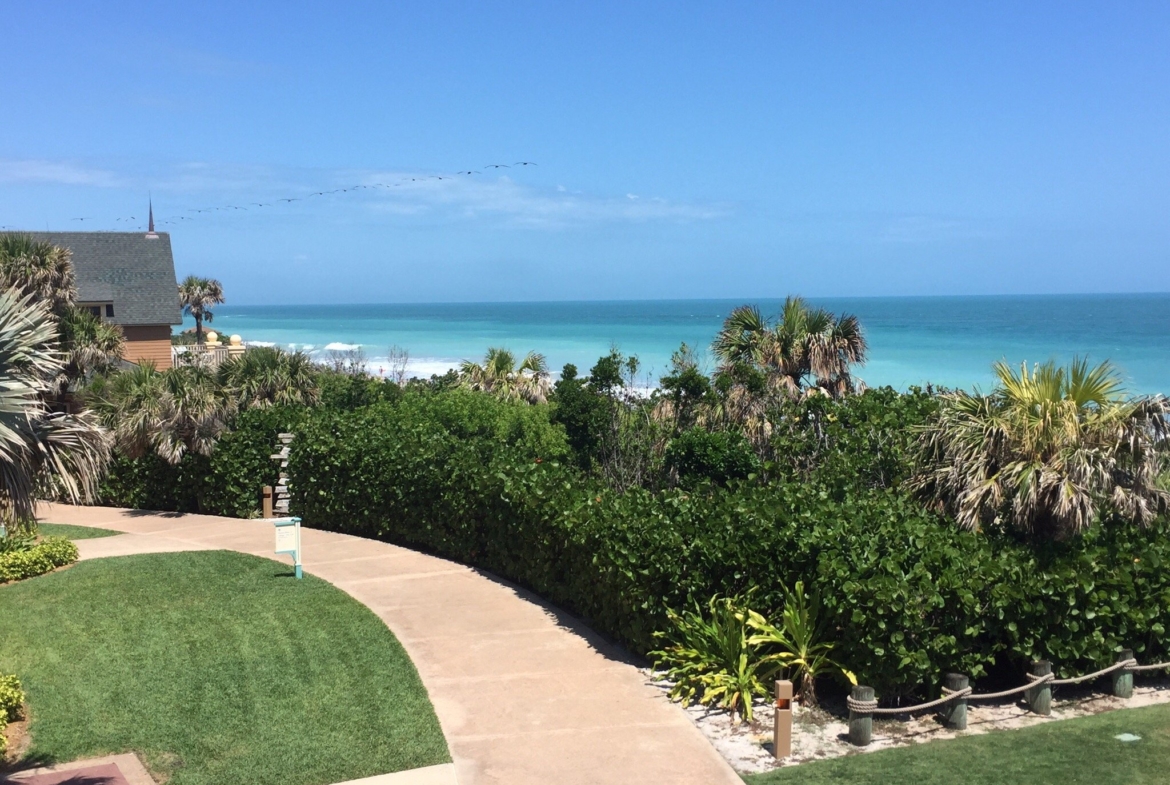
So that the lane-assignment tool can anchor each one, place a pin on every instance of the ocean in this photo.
(947, 341)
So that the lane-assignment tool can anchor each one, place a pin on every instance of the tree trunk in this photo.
(198, 328)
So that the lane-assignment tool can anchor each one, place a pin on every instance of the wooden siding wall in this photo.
(148, 342)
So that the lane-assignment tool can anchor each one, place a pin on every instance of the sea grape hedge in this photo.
(228, 482)
(908, 596)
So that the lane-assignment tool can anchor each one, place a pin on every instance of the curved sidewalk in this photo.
(526, 694)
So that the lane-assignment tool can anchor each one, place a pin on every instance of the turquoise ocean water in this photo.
(949, 341)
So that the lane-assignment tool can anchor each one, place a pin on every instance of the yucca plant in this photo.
(39, 451)
(797, 645)
(711, 659)
(1047, 450)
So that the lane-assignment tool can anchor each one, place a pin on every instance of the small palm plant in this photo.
(197, 295)
(711, 658)
(798, 644)
(266, 376)
(500, 375)
(1047, 450)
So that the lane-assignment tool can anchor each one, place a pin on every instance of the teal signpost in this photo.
(288, 540)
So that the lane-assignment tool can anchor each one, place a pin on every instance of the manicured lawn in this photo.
(73, 532)
(220, 667)
(1061, 753)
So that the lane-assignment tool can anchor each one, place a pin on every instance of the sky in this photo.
(679, 150)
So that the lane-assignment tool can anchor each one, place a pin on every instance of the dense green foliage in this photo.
(214, 672)
(626, 509)
(906, 595)
(37, 558)
(1081, 750)
(226, 482)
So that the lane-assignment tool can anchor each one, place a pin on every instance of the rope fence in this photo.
(957, 693)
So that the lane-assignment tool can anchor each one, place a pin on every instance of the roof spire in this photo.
(150, 233)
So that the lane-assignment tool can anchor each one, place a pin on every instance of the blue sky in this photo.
(683, 149)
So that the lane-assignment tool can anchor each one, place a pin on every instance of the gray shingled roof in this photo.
(135, 272)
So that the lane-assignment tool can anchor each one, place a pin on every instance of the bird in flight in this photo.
(497, 166)
(525, 163)
(469, 171)
(257, 204)
(288, 200)
(82, 219)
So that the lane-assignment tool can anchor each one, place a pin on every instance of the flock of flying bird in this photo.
(275, 202)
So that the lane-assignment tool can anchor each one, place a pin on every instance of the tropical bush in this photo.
(1047, 451)
(226, 482)
(797, 643)
(36, 559)
(711, 659)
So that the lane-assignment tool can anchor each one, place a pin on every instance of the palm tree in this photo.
(90, 346)
(38, 268)
(264, 376)
(806, 346)
(500, 376)
(1047, 451)
(170, 412)
(39, 450)
(197, 295)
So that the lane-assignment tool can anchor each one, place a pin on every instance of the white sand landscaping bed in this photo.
(821, 733)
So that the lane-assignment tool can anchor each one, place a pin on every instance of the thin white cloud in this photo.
(199, 191)
(521, 204)
(56, 173)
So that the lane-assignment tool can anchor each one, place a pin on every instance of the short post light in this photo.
(782, 725)
(288, 540)
(266, 501)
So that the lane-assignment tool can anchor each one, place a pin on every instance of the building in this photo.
(128, 279)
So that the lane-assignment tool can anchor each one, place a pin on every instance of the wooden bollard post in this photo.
(861, 723)
(782, 726)
(955, 713)
(266, 501)
(1123, 678)
(1040, 697)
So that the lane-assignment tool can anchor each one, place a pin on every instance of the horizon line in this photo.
(745, 300)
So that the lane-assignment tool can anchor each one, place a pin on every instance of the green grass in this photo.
(1083, 750)
(73, 532)
(219, 667)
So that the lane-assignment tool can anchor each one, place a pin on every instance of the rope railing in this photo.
(956, 693)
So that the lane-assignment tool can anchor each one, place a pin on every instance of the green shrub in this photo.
(11, 698)
(228, 482)
(46, 555)
(698, 454)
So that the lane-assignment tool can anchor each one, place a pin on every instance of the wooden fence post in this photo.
(861, 723)
(266, 502)
(1040, 697)
(955, 713)
(1123, 678)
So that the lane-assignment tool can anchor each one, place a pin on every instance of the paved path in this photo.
(525, 693)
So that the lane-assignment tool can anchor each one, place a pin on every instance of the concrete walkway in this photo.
(525, 693)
